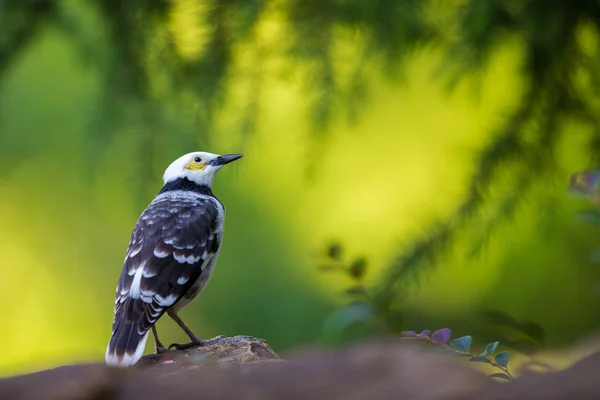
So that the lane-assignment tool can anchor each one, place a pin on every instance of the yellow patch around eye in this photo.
(195, 166)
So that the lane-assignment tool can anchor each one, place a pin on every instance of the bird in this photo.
(171, 256)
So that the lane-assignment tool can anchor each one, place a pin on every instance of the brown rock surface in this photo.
(247, 368)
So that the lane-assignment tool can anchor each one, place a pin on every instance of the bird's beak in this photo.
(225, 159)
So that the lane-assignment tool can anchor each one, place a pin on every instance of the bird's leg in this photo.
(195, 340)
(157, 344)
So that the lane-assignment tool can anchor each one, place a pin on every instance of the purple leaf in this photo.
(425, 333)
(442, 336)
(409, 333)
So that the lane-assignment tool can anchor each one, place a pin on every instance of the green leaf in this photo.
(590, 216)
(358, 267)
(462, 343)
(481, 359)
(490, 348)
(334, 251)
(356, 291)
(341, 319)
(501, 376)
(502, 358)
(328, 268)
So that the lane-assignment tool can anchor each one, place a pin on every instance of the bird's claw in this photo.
(185, 346)
(161, 349)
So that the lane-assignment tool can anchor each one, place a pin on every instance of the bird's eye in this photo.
(197, 159)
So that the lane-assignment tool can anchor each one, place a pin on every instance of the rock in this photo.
(220, 351)
(97, 381)
(243, 367)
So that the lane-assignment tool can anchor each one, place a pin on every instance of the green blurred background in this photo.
(433, 138)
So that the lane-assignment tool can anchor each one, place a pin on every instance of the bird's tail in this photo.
(126, 345)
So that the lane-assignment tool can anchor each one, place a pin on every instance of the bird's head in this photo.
(199, 167)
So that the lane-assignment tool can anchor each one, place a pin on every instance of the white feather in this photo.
(201, 177)
(126, 360)
(146, 299)
(182, 280)
(161, 254)
(165, 301)
(134, 289)
(148, 273)
(135, 249)
(186, 259)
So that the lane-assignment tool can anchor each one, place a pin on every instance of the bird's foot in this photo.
(186, 346)
(160, 349)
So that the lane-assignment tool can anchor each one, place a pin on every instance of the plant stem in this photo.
(491, 360)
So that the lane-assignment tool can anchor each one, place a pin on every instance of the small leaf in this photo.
(425, 333)
(589, 216)
(482, 359)
(356, 291)
(534, 330)
(462, 343)
(340, 319)
(502, 358)
(328, 268)
(335, 251)
(501, 376)
(409, 333)
(442, 336)
(490, 348)
(357, 269)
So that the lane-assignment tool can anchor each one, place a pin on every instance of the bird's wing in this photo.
(172, 242)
